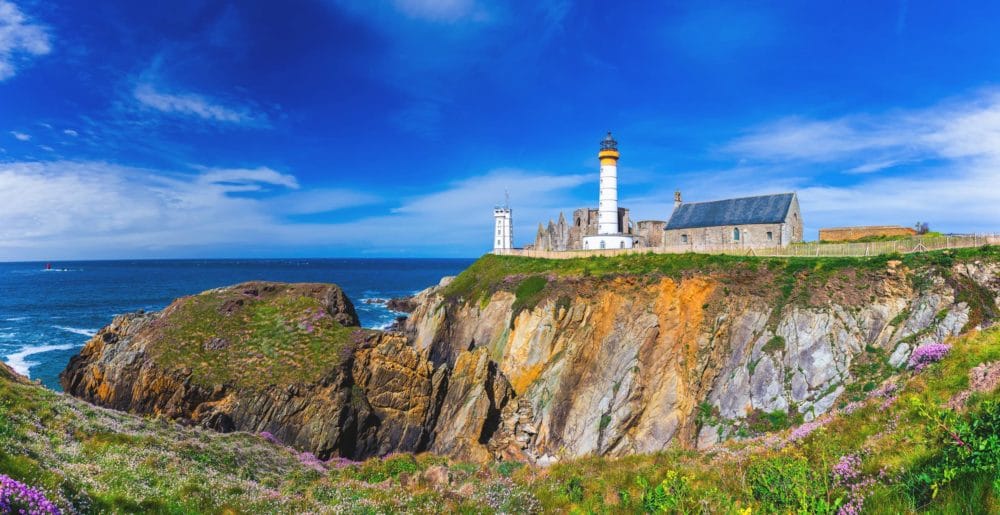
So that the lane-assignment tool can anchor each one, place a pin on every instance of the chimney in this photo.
(677, 199)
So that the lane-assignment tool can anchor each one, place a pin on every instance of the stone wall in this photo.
(563, 235)
(650, 232)
(750, 235)
(856, 233)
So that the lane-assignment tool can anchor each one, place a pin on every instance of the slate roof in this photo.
(765, 209)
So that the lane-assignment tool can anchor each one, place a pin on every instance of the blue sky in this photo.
(365, 128)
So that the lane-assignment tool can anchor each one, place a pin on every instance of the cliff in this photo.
(626, 355)
(542, 360)
(286, 359)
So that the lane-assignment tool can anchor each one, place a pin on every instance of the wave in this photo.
(7, 336)
(19, 362)
(89, 333)
(16, 319)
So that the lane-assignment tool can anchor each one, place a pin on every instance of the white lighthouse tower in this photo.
(610, 234)
(503, 237)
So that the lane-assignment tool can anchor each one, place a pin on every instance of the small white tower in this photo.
(609, 234)
(503, 237)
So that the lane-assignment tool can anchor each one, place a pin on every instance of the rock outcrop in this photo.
(537, 366)
(284, 359)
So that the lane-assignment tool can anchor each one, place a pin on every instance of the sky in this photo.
(342, 128)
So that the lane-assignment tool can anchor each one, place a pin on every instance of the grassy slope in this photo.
(281, 339)
(99, 460)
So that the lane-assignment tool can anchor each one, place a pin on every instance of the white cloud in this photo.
(944, 162)
(67, 209)
(191, 104)
(20, 39)
(71, 132)
(20, 136)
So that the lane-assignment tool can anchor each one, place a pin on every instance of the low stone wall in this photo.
(856, 233)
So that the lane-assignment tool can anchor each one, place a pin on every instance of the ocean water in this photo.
(47, 315)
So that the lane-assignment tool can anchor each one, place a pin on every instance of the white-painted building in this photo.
(503, 237)
(610, 235)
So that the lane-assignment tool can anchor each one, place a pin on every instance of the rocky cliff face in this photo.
(534, 362)
(629, 364)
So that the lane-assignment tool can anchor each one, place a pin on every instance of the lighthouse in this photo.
(610, 234)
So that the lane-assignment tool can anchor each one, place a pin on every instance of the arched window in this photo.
(602, 244)
(621, 245)
(736, 234)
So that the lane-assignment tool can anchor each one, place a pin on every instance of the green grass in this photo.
(492, 273)
(286, 338)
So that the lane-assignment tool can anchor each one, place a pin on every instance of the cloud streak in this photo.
(196, 106)
(20, 39)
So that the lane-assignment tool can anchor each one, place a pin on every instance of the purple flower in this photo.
(16, 497)
(310, 460)
(269, 437)
(927, 354)
(805, 429)
(847, 469)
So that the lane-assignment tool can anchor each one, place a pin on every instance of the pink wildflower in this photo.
(927, 354)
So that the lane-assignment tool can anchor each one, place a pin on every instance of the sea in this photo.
(47, 314)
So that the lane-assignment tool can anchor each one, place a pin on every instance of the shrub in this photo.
(784, 484)
(927, 354)
(969, 446)
(673, 494)
(377, 470)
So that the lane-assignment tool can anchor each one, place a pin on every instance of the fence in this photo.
(860, 249)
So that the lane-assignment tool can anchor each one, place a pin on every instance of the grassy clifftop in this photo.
(491, 272)
(254, 332)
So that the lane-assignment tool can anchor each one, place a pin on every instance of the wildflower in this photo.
(16, 497)
(847, 469)
(805, 430)
(269, 437)
(927, 354)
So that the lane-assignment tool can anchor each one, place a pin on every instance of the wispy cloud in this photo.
(20, 136)
(944, 162)
(20, 39)
(71, 132)
(443, 10)
(49, 212)
(195, 105)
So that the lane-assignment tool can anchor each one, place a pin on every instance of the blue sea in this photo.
(47, 315)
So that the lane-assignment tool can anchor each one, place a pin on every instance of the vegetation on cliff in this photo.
(924, 441)
(253, 334)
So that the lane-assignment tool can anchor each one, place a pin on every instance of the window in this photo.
(736, 234)
(602, 244)
(621, 245)
(770, 236)
(498, 243)
(684, 238)
(498, 232)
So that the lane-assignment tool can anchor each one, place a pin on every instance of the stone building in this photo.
(764, 221)
(564, 235)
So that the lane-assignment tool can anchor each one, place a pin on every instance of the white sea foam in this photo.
(19, 362)
(85, 332)
(7, 336)
(15, 319)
